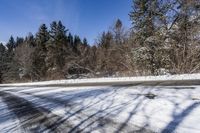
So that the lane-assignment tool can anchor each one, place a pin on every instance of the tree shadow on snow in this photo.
(96, 109)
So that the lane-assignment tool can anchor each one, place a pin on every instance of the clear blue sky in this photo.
(87, 18)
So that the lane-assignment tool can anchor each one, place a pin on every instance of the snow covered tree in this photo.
(148, 22)
(184, 36)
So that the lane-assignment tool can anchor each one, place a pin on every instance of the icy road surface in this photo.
(104, 109)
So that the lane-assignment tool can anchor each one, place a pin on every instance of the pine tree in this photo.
(57, 46)
(77, 42)
(3, 65)
(30, 39)
(11, 72)
(19, 41)
(70, 40)
(11, 45)
(58, 32)
(39, 56)
(118, 31)
(148, 20)
(85, 42)
(106, 40)
(61, 35)
(42, 37)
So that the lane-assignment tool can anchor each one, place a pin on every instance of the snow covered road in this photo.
(128, 108)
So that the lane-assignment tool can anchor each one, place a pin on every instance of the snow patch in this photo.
(113, 80)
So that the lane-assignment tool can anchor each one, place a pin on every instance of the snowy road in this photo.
(130, 108)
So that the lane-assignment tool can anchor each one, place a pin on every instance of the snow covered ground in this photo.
(100, 109)
(112, 109)
(119, 80)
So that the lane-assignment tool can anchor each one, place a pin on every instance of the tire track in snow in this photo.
(8, 121)
(33, 119)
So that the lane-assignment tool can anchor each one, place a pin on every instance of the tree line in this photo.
(164, 39)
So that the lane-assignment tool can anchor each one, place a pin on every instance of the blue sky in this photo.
(87, 18)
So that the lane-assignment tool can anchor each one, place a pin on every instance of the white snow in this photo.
(114, 80)
(173, 108)
(8, 121)
(116, 109)
(3, 42)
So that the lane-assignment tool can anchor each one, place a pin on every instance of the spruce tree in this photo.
(118, 31)
(42, 37)
(39, 56)
(11, 45)
(85, 42)
(57, 46)
(19, 41)
(12, 67)
(3, 65)
(70, 40)
(147, 19)
(77, 42)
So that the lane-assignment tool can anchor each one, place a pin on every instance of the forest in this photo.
(164, 39)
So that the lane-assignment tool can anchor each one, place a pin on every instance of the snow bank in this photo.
(123, 80)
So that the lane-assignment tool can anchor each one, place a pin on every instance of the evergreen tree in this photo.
(148, 19)
(42, 36)
(61, 35)
(106, 40)
(76, 44)
(77, 40)
(11, 45)
(3, 65)
(85, 42)
(39, 56)
(57, 46)
(11, 71)
(19, 40)
(58, 32)
(30, 39)
(53, 30)
(70, 40)
(118, 31)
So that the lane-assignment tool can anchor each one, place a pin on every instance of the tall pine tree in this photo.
(148, 20)
(39, 56)
(57, 46)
